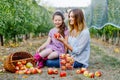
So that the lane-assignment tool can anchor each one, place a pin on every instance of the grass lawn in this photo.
(102, 58)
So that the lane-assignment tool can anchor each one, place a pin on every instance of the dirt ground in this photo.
(103, 58)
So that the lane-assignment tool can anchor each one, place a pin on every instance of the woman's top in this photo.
(81, 47)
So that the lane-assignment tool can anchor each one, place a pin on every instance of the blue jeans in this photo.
(55, 63)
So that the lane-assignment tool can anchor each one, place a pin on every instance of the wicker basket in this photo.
(13, 58)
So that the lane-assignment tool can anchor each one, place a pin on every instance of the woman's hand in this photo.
(61, 38)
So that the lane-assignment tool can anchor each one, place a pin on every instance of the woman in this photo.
(78, 41)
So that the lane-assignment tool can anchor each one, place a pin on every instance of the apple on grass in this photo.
(77, 71)
(86, 73)
(91, 75)
(83, 70)
(33, 70)
(39, 70)
(55, 71)
(63, 74)
(63, 68)
(50, 71)
(98, 73)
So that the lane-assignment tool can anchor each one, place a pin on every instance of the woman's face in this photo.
(57, 20)
(71, 18)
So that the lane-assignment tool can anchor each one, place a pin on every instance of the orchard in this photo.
(24, 26)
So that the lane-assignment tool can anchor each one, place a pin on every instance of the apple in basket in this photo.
(29, 65)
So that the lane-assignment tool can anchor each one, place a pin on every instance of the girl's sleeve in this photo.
(81, 43)
(66, 33)
(50, 33)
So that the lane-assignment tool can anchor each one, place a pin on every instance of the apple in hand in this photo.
(57, 35)
(63, 74)
(98, 73)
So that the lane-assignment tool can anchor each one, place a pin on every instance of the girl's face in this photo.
(57, 20)
(71, 18)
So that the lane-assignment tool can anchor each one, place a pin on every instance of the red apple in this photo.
(91, 75)
(33, 70)
(18, 63)
(57, 35)
(23, 62)
(62, 62)
(55, 71)
(67, 55)
(27, 71)
(62, 56)
(50, 71)
(63, 74)
(63, 67)
(39, 70)
(17, 72)
(83, 70)
(98, 73)
(67, 65)
(77, 71)
(17, 68)
(86, 73)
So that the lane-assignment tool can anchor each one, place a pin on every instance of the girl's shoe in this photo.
(37, 57)
(41, 64)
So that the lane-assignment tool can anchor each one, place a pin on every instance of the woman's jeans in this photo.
(55, 63)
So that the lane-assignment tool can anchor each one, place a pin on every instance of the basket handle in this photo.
(22, 59)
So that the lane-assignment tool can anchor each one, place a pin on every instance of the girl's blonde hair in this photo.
(79, 21)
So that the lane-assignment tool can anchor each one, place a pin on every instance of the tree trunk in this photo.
(1, 39)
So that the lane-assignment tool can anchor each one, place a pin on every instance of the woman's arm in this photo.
(65, 42)
(82, 42)
(67, 46)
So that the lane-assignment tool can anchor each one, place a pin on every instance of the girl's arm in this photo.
(44, 44)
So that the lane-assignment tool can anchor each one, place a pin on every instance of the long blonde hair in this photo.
(79, 23)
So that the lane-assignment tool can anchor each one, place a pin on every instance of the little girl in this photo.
(52, 48)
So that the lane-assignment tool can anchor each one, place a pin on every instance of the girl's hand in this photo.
(39, 49)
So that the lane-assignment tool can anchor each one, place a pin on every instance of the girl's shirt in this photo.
(81, 47)
(55, 44)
